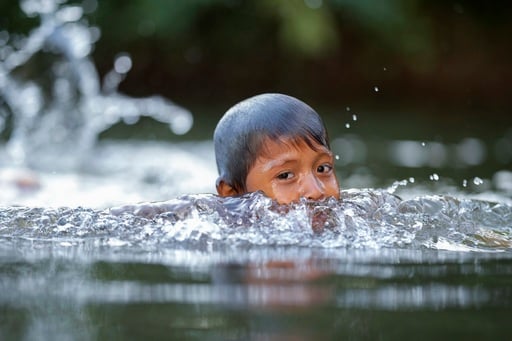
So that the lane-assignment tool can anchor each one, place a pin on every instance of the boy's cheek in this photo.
(286, 199)
(335, 187)
(283, 195)
(337, 194)
(331, 187)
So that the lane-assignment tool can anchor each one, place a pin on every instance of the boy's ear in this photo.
(224, 189)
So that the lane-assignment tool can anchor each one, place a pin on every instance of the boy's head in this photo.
(277, 144)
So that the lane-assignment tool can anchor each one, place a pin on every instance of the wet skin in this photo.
(286, 171)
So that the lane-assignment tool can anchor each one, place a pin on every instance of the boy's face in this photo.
(286, 171)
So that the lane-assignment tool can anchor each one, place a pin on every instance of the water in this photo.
(65, 111)
(116, 239)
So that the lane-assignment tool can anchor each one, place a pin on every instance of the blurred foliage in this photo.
(220, 50)
(304, 27)
(307, 30)
(397, 23)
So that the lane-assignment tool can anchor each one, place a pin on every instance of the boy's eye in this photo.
(285, 175)
(324, 168)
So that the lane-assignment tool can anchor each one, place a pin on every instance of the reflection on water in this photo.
(92, 292)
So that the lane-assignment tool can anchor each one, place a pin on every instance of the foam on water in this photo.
(362, 219)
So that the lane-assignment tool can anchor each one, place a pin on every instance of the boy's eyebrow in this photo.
(273, 163)
(277, 163)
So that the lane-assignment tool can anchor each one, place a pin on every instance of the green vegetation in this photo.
(216, 51)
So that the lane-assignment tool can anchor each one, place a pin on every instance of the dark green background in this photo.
(433, 55)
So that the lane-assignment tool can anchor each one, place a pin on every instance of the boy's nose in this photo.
(312, 188)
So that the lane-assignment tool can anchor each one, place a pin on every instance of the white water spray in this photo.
(63, 114)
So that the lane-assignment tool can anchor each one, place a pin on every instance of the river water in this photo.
(104, 238)
(82, 258)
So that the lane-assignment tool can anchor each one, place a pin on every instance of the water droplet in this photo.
(385, 68)
(423, 144)
(123, 64)
(434, 177)
(411, 180)
(376, 89)
(347, 125)
(477, 181)
(347, 108)
(70, 13)
(337, 157)
(181, 124)
(354, 117)
(464, 183)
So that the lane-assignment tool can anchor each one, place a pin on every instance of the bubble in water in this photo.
(464, 183)
(423, 144)
(411, 180)
(347, 125)
(478, 181)
(337, 157)
(354, 117)
(376, 89)
(123, 64)
(347, 108)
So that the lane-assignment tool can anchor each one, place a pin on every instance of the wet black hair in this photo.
(240, 133)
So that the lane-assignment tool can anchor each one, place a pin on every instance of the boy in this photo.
(272, 143)
(276, 144)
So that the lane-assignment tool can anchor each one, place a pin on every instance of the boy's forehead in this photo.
(270, 148)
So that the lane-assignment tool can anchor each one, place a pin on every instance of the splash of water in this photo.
(57, 115)
(362, 219)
